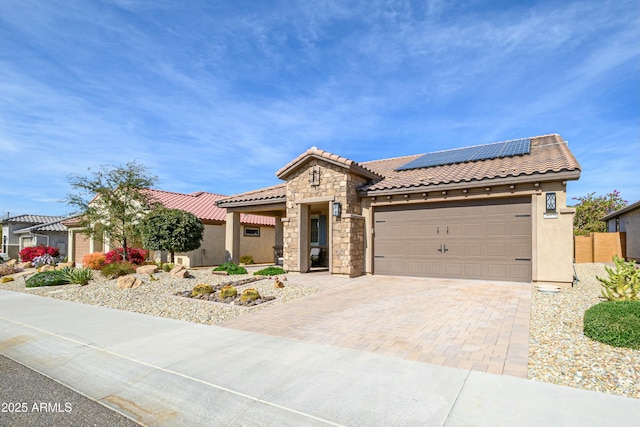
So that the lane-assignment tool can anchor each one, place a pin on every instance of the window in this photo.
(318, 230)
(252, 232)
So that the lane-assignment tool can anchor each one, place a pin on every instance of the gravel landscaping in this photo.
(157, 298)
(560, 353)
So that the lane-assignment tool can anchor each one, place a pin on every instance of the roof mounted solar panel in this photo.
(516, 147)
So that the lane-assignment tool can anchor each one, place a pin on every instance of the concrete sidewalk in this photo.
(166, 372)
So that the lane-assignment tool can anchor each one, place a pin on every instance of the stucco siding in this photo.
(260, 248)
(630, 224)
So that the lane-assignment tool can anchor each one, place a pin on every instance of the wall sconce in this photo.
(551, 202)
(337, 209)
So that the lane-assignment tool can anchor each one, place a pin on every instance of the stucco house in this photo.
(257, 232)
(494, 211)
(627, 220)
(21, 231)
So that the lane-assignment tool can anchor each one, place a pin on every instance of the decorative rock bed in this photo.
(236, 299)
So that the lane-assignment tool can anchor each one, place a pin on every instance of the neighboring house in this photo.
(627, 220)
(495, 212)
(19, 232)
(257, 232)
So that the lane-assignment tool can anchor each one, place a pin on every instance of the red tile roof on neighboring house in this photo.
(203, 205)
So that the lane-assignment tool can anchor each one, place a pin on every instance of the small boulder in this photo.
(11, 262)
(278, 283)
(24, 265)
(47, 267)
(65, 264)
(177, 268)
(126, 282)
(147, 269)
(220, 273)
(181, 274)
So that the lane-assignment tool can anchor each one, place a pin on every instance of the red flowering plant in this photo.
(136, 256)
(31, 252)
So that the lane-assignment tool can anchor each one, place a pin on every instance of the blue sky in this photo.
(218, 95)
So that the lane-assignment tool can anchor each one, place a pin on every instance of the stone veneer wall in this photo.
(347, 232)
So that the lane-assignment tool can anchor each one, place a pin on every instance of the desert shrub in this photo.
(118, 269)
(201, 289)
(136, 256)
(29, 253)
(231, 268)
(167, 267)
(270, 271)
(47, 278)
(246, 259)
(6, 270)
(95, 260)
(616, 323)
(79, 276)
(623, 283)
(7, 279)
(41, 260)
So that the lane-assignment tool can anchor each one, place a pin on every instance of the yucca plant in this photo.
(79, 276)
(623, 284)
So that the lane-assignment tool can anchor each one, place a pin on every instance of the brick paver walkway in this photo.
(476, 325)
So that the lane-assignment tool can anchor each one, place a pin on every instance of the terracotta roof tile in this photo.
(549, 153)
(203, 205)
(333, 158)
(276, 193)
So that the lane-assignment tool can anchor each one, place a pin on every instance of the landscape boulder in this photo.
(24, 265)
(47, 267)
(62, 265)
(147, 269)
(11, 262)
(126, 282)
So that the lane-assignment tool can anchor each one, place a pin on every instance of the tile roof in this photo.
(628, 208)
(275, 194)
(314, 152)
(549, 153)
(55, 226)
(203, 205)
(35, 219)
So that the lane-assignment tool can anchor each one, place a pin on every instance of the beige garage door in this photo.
(479, 240)
(81, 247)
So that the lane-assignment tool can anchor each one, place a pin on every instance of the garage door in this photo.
(81, 247)
(488, 240)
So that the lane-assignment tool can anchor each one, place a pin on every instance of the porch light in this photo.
(337, 209)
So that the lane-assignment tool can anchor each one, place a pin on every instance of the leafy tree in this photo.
(114, 197)
(592, 208)
(171, 230)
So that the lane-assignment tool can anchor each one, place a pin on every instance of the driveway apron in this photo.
(477, 325)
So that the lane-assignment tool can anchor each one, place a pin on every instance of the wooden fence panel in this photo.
(599, 247)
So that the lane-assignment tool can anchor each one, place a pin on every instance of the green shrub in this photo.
(231, 268)
(167, 267)
(270, 271)
(118, 269)
(616, 323)
(246, 259)
(7, 279)
(47, 278)
(79, 276)
(623, 284)
(201, 289)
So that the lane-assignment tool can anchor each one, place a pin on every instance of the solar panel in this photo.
(516, 147)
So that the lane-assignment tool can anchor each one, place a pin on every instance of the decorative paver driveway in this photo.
(476, 325)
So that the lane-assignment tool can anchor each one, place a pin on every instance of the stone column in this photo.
(232, 237)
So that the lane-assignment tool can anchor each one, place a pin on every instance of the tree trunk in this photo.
(125, 250)
(173, 256)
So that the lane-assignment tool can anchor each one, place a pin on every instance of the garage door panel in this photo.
(483, 240)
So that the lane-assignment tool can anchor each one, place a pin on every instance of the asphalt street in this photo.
(30, 399)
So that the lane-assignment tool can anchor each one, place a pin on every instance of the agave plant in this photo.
(623, 284)
(80, 276)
